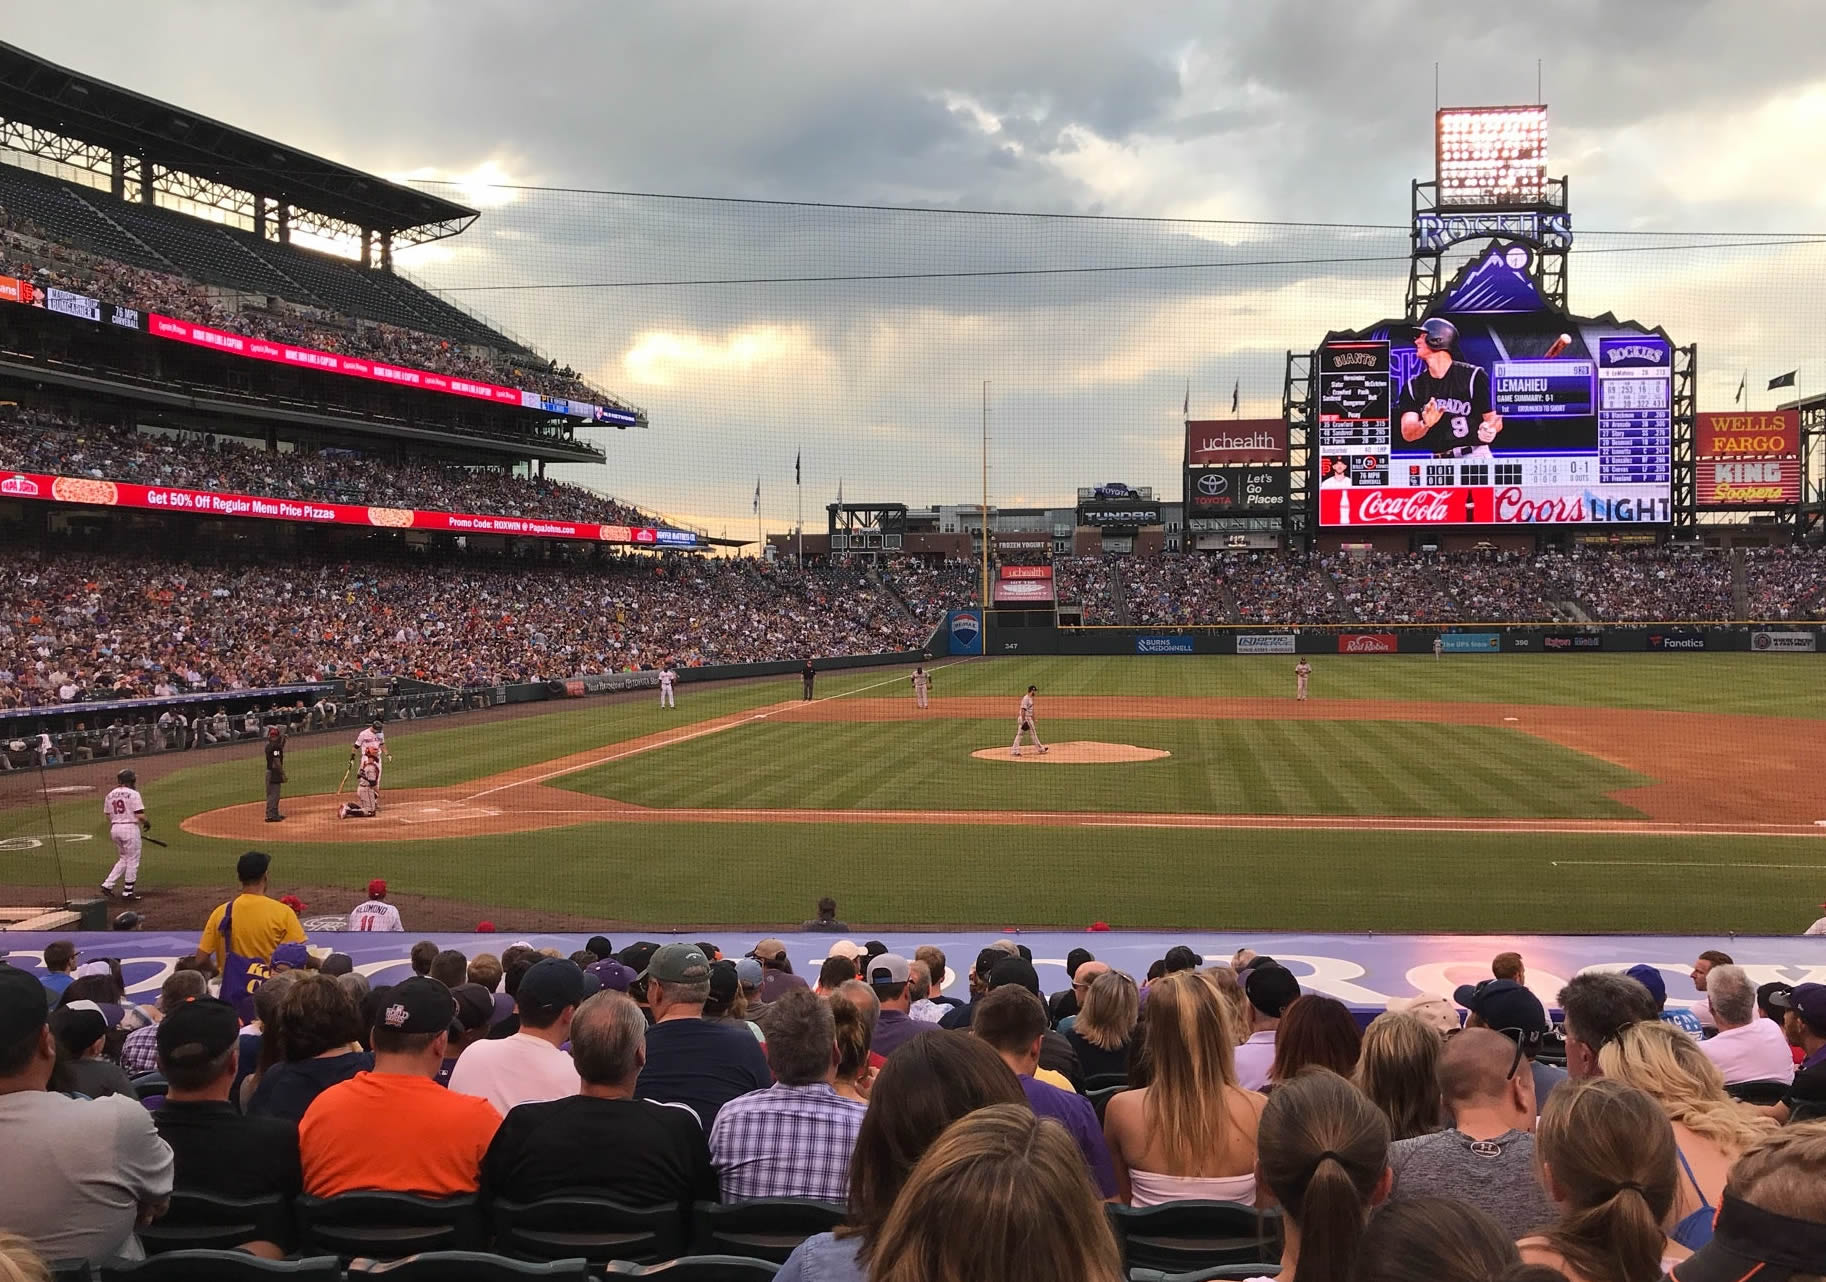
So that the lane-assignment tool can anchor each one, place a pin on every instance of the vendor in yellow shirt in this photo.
(260, 923)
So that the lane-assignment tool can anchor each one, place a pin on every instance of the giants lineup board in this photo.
(1575, 418)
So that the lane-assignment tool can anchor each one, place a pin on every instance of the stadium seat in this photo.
(765, 1228)
(200, 1221)
(1105, 1081)
(224, 1266)
(1100, 1098)
(386, 1226)
(474, 1266)
(1179, 1236)
(698, 1268)
(596, 1228)
(70, 1271)
(1769, 1092)
(1220, 1273)
(150, 1085)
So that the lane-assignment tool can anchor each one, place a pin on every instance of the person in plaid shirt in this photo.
(140, 1052)
(793, 1139)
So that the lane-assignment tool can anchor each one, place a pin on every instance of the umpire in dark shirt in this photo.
(214, 1148)
(275, 771)
(808, 672)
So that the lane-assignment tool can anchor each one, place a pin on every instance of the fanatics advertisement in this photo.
(1497, 409)
(88, 491)
(1221, 442)
(1747, 460)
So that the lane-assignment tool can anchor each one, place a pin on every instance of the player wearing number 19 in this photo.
(1446, 406)
(125, 812)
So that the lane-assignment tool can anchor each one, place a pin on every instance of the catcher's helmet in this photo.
(127, 921)
(377, 723)
(127, 777)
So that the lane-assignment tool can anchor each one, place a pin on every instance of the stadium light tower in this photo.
(1489, 157)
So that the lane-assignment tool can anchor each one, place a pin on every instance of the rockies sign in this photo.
(1213, 490)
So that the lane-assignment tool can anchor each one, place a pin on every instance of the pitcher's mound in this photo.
(1079, 753)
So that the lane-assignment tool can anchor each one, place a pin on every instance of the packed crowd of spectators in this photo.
(1785, 583)
(27, 252)
(76, 626)
(40, 440)
(1633, 585)
(1270, 587)
(1183, 589)
(932, 587)
(949, 1136)
(1089, 582)
(1392, 589)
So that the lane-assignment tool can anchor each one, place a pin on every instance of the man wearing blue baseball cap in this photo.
(1803, 1010)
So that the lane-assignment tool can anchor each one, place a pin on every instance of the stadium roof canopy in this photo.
(42, 96)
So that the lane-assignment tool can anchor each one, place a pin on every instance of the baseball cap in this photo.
(600, 945)
(1650, 978)
(1010, 970)
(550, 984)
(1271, 989)
(474, 1006)
(1440, 332)
(377, 888)
(485, 928)
(1430, 1009)
(678, 964)
(891, 968)
(338, 964)
(1806, 1000)
(748, 970)
(23, 1010)
(293, 954)
(78, 1025)
(1503, 1004)
(636, 955)
(199, 1030)
(89, 970)
(417, 1005)
(252, 866)
(845, 948)
(767, 950)
(724, 984)
(1750, 1242)
(614, 975)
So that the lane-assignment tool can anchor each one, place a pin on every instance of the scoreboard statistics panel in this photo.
(1534, 419)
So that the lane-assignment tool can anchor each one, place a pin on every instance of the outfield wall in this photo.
(1378, 638)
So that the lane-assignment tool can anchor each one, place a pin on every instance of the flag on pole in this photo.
(1783, 380)
(796, 458)
(1742, 385)
(1186, 409)
(1236, 396)
(757, 496)
(840, 491)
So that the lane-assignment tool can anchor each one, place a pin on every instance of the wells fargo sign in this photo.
(1748, 459)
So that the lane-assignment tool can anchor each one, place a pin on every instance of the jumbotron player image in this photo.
(1446, 407)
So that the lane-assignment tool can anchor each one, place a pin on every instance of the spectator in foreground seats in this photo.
(485, 970)
(602, 1140)
(422, 955)
(1650, 978)
(1398, 1072)
(450, 968)
(1486, 1158)
(925, 1086)
(78, 1174)
(1317, 1031)
(395, 1128)
(776, 971)
(1324, 1161)
(1270, 989)
(1191, 1132)
(1433, 1239)
(474, 1006)
(998, 1197)
(690, 1061)
(833, 971)
(1509, 966)
(1104, 1030)
(1229, 990)
(934, 958)
(216, 1149)
(889, 976)
(319, 1045)
(1772, 1221)
(726, 1002)
(959, 1015)
(529, 1066)
(19, 1262)
(260, 1046)
(1711, 1130)
(1595, 1007)
(1013, 1022)
(1067, 1002)
(1702, 968)
(59, 966)
(1517, 1014)
(795, 1138)
(1607, 1163)
(259, 925)
(139, 1053)
(81, 1031)
(853, 1014)
(1747, 1048)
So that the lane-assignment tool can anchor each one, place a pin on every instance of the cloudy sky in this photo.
(1269, 144)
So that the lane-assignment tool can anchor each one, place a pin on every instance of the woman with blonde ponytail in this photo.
(1607, 1162)
(1711, 1130)
(1323, 1158)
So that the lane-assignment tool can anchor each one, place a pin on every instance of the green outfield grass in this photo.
(992, 876)
(1217, 767)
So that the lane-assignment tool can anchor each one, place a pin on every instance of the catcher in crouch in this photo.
(367, 788)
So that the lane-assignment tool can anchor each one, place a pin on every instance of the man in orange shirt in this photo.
(395, 1128)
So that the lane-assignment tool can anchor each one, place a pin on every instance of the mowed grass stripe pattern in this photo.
(1217, 767)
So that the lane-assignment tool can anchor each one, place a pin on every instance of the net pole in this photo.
(983, 600)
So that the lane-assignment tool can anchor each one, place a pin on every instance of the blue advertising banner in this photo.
(964, 630)
(1163, 645)
(1471, 642)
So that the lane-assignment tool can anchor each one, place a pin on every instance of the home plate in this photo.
(1511, 718)
(437, 812)
(1076, 753)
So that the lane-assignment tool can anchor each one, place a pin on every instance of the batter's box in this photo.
(442, 813)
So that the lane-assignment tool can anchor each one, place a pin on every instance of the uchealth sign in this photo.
(1214, 442)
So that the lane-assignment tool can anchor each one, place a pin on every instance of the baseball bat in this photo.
(1560, 344)
(155, 841)
(345, 779)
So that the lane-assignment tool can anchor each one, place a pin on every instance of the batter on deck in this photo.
(126, 815)
(1025, 726)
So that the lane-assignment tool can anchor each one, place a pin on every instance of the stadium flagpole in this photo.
(983, 599)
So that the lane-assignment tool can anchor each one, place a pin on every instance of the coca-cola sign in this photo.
(1397, 506)
(1444, 505)
(1367, 643)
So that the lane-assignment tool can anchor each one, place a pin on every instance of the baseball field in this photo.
(1514, 793)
